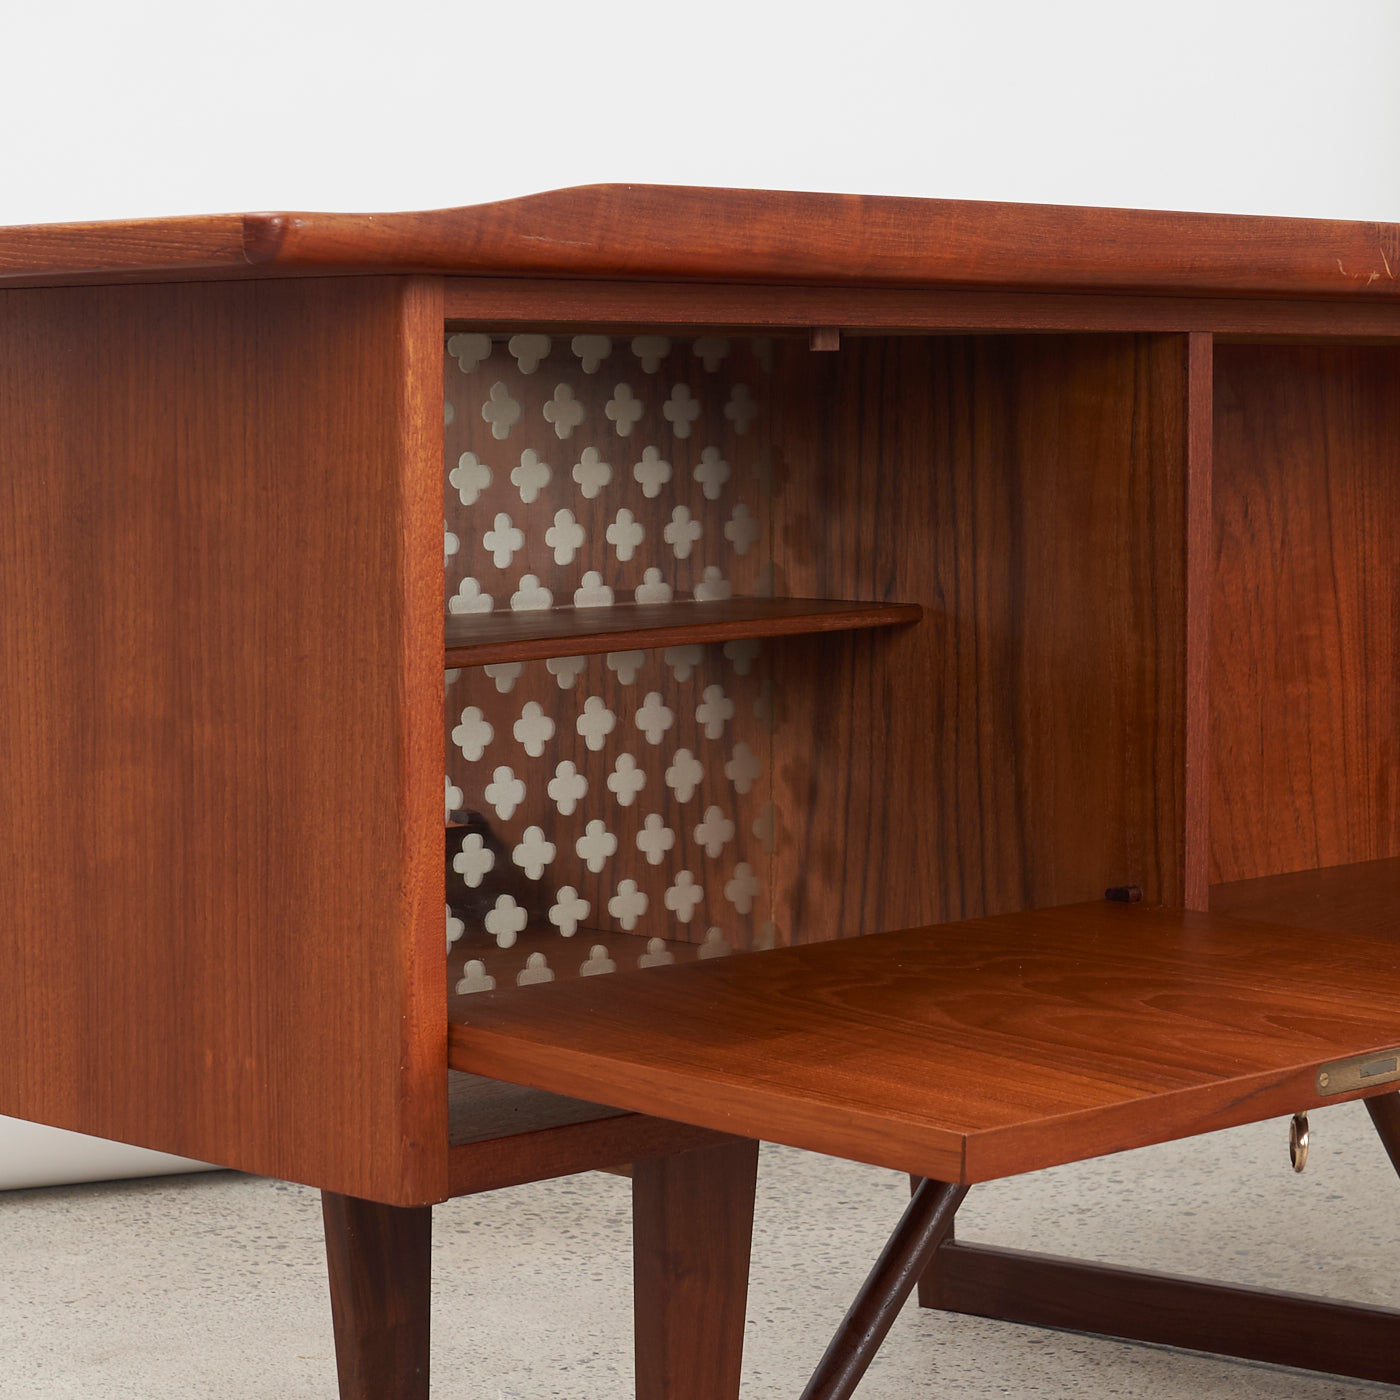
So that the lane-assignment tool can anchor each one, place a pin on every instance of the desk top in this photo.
(669, 233)
(966, 1051)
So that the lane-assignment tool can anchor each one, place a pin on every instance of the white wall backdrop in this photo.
(162, 107)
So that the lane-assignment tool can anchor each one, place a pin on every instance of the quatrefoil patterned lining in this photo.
(627, 794)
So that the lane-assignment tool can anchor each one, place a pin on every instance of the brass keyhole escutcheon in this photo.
(1298, 1141)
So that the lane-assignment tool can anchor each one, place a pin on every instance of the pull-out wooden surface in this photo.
(965, 1051)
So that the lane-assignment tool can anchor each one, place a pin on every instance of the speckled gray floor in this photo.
(214, 1285)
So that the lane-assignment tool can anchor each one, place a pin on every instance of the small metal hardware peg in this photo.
(1298, 1141)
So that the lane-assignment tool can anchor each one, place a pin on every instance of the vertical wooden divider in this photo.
(1200, 537)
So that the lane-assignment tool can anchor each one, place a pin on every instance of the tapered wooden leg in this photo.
(692, 1226)
(921, 1229)
(380, 1262)
(1385, 1114)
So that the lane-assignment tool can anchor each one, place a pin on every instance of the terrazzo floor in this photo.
(214, 1285)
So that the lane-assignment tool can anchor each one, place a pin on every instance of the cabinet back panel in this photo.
(218, 514)
(1304, 614)
(1023, 745)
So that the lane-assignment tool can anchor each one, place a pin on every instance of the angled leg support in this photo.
(923, 1226)
(692, 1225)
(379, 1258)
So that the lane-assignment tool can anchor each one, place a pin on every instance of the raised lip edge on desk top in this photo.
(568, 631)
(693, 233)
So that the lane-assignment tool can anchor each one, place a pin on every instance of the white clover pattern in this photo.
(501, 411)
(475, 978)
(591, 472)
(591, 350)
(505, 920)
(626, 780)
(743, 768)
(655, 839)
(568, 911)
(741, 409)
(657, 954)
(595, 846)
(715, 944)
(711, 349)
(652, 472)
(531, 596)
(654, 718)
(452, 796)
(534, 729)
(529, 350)
(504, 674)
(653, 588)
(531, 476)
(766, 937)
(472, 733)
(595, 723)
(741, 530)
(624, 410)
(536, 969)
(469, 598)
(567, 788)
(625, 534)
(684, 775)
(593, 592)
(503, 540)
(469, 349)
(505, 792)
(742, 652)
(449, 414)
(682, 533)
(743, 888)
(566, 669)
(714, 831)
(681, 410)
(455, 927)
(683, 896)
(565, 537)
(713, 586)
(626, 664)
(564, 411)
(597, 963)
(715, 710)
(450, 545)
(475, 861)
(534, 853)
(712, 471)
(682, 660)
(651, 350)
(628, 905)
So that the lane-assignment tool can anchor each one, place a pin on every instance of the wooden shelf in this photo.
(966, 1051)
(479, 639)
(1363, 898)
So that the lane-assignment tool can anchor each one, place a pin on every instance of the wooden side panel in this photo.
(1024, 744)
(220, 650)
(1304, 614)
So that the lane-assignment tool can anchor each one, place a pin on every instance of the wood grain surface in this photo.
(1360, 898)
(485, 638)
(658, 231)
(1304, 660)
(1023, 745)
(967, 1051)
(219, 831)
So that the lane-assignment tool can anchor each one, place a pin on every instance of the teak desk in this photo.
(815, 566)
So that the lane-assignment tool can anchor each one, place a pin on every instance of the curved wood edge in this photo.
(647, 232)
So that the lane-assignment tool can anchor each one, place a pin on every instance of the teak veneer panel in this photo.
(660, 231)
(1305, 705)
(968, 1051)
(479, 639)
(1360, 898)
(1024, 745)
(220, 508)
